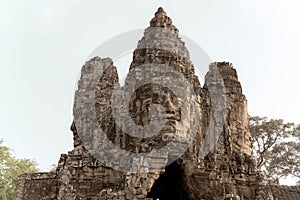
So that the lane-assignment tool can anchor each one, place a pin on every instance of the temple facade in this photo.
(193, 170)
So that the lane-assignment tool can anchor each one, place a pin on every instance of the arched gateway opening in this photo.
(169, 185)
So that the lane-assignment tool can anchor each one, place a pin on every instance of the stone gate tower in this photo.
(228, 171)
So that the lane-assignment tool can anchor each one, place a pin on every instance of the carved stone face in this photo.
(142, 111)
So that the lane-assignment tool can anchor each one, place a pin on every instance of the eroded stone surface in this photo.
(227, 172)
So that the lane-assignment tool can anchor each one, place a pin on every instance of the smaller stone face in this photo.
(236, 134)
(228, 171)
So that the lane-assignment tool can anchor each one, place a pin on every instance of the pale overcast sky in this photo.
(43, 45)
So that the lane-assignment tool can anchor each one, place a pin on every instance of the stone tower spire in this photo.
(160, 39)
(162, 20)
(161, 44)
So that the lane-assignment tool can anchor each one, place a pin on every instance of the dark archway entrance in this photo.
(169, 185)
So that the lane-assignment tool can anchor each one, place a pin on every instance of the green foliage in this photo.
(10, 168)
(276, 145)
